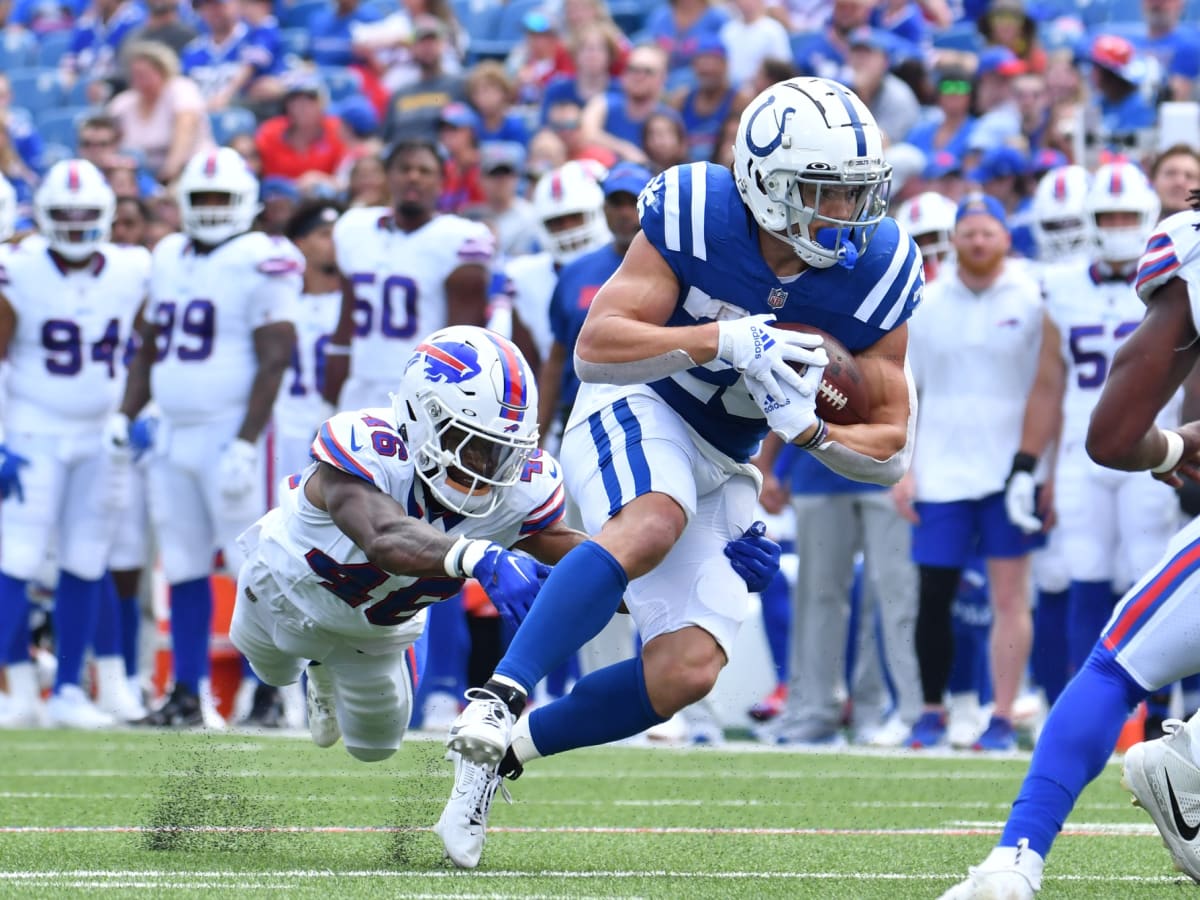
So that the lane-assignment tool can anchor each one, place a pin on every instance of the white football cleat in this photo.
(113, 695)
(1165, 782)
(69, 707)
(321, 698)
(23, 706)
(482, 731)
(1009, 873)
(209, 713)
(463, 825)
(892, 733)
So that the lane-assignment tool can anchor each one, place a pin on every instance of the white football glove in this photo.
(1020, 504)
(116, 435)
(237, 470)
(759, 351)
(789, 413)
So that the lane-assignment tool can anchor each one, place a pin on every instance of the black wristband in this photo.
(1023, 462)
(818, 436)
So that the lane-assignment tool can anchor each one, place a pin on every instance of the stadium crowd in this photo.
(1014, 129)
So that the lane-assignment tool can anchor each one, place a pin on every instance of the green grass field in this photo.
(181, 815)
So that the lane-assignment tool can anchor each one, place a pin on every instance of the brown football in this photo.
(843, 398)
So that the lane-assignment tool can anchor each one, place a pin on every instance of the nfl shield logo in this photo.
(776, 298)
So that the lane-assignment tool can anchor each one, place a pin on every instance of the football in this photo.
(843, 398)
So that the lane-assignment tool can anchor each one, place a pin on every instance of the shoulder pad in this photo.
(891, 275)
(543, 493)
(361, 445)
(1174, 243)
(685, 210)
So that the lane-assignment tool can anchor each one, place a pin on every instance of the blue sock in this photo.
(576, 602)
(1049, 657)
(107, 638)
(777, 621)
(1074, 746)
(76, 608)
(14, 619)
(1089, 605)
(131, 623)
(607, 705)
(191, 623)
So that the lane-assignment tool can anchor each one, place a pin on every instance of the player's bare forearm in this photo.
(337, 354)
(525, 343)
(1146, 371)
(627, 318)
(549, 387)
(8, 325)
(467, 296)
(553, 543)
(137, 379)
(1043, 409)
(273, 346)
(392, 540)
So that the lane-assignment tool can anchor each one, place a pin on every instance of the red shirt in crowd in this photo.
(279, 157)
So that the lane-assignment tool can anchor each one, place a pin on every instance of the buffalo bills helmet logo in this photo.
(449, 361)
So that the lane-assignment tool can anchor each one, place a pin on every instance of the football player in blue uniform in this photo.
(683, 375)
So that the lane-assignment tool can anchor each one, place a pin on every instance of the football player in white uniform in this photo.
(1059, 221)
(217, 342)
(406, 271)
(569, 206)
(929, 219)
(1150, 639)
(8, 210)
(67, 308)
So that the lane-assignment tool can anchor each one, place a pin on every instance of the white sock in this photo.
(522, 744)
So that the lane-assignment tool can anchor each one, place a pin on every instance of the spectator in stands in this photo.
(1176, 46)
(458, 133)
(905, 20)
(825, 53)
(1121, 107)
(997, 119)
(1003, 173)
(1007, 24)
(678, 26)
(1032, 99)
(615, 120)
(539, 58)
(751, 37)
(230, 60)
(22, 133)
(1174, 174)
(890, 100)
(15, 171)
(502, 166)
(121, 172)
(162, 115)
(45, 16)
(492, 93)
(96, 138)
(944, 175)
(584, 17)
(367, 183)
(130, 221)
(564, 119)
(96, 42)
(330, 28)
(592, 53)
(722, 153)
(949, 127)
(164, 25)
(547, 152)
(280, 197)
(359, 132)
(706, 106)
(386, 46)
(664, 140)
(305, 143)
(247, 149)
(413, 111)
(770, 71)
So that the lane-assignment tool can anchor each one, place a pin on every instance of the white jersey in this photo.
(399, 281)
(207, 307)
(974, 357)
(72, 325)
(299, 409)
(325, 574)
(530, 282)
(1173, 251)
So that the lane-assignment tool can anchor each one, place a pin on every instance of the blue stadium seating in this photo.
(53, 152)
(17, 50)
(57, 126)
(36, 88)
(77, 95)
(230, 122)
(297, 14)
(341, 82)
(962, 36)
(295, 41)
(630, 15)
(52, 47)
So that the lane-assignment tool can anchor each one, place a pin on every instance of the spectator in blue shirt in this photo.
(1003, 173)
(96, 42)
(329, 31)
(492, 93)
(705, 107)
(232, 60)
(22, 133)
(1174, 45)
(615, 120)
(949, 127)
(679, 25)
(825, 54)
(594, 53)
(46, 16)
(904, 19)
(1119, 76)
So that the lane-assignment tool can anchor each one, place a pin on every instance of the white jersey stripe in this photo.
(671, 208)
(873, 299)
(699, 189)
(898, 307)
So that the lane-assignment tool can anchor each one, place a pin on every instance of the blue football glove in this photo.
(10, 474)
(755, 557)
(510, 581)
(142, 432)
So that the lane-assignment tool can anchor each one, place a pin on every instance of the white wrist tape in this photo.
(1174, 453)
(460, 560)
(637, 371)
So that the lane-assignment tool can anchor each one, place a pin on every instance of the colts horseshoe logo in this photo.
(767, 148)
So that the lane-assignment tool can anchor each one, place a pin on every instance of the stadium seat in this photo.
(508, 30)
(77, 95)
(341, 82)
(630, 15)
(297, 14)
(963, 36)
(480, 20)
(37, 88)
(52, 47)
(58, 126)
(295, 42)
(17, 50)
(230, 122)
(54, 152)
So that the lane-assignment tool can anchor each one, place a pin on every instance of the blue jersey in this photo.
(330, 34)
(94, 44)
(213, 66)
(701, 130)
(695, 218)
(578, 283)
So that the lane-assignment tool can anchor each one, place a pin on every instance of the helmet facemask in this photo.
(214, 223)
(75, 232)
(1060, 238)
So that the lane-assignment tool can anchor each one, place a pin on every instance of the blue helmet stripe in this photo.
(855, 122)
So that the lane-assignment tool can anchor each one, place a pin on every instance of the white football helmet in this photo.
(930, 214)
(217, 172)
(468, 402)
(1060, 222)
(1121, 187)
(570, 190)
(74, 208)
(8, 209)
(797, 140)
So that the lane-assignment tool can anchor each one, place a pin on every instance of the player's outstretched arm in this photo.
(1043, 408)
(553, 543)
(273, 345)
(1146, 371)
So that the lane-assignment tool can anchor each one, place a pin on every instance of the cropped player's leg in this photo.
(1048, 657)
(374, 699)
(1089, 606)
